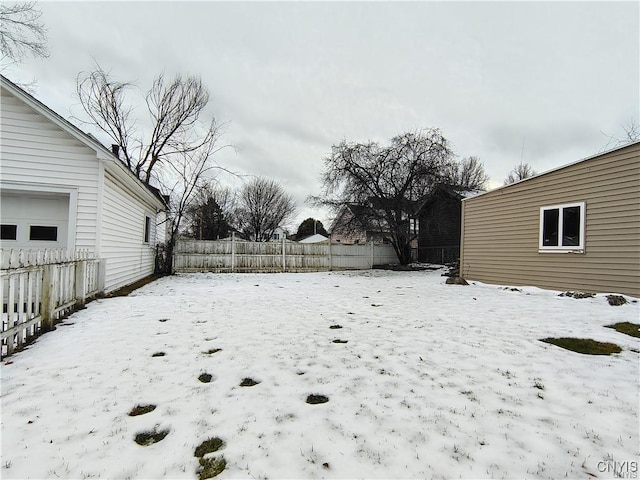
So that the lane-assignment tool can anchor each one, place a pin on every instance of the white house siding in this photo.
(38, 156)
(128, 258)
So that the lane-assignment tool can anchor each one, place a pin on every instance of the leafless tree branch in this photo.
(21, 31)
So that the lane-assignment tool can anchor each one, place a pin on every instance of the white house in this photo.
(61, 188)
(279, 233)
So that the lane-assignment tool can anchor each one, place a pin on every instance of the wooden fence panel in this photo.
(38, 287)
(241, 256)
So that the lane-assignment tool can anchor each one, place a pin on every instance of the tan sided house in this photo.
(573, 228)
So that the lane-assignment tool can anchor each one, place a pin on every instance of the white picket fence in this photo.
(38, 287)
(261, 257)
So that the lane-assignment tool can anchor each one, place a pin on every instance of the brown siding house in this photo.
(573, 228)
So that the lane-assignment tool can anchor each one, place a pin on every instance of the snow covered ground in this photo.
(434, 381)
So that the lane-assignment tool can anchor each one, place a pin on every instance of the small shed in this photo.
(573, 228)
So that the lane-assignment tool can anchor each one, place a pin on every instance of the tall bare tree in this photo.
(174, 108)
(186, 174)
(519, 172)
(21, 32)
(468, 174)
(176, 152)
(263, 206)
(386, 181)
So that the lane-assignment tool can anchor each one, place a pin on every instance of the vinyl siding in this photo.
(35, 152)
(500, 234)
(40, 152)
(128, 257)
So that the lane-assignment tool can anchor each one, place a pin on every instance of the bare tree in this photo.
(468, 174)
(263, 206)
(631, 133)
(21, 32)
(174, 110)
(183, 177)
(386, 182)
(176, 152)
(519, 172)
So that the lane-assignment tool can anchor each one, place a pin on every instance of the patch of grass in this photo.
(141, 410)
(150, 437)
(340, 341)
(616, 300)
(584, 345)
(212, 351)
(335, 327)
(315, 399)
(209, 446)
(628, 328)
(205, 377)
(211, 467)
(248, 382)
(159, 354)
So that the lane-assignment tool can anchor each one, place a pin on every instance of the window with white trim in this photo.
(147, 229)
(562, 228)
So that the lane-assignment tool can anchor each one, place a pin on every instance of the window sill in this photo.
(577, 251)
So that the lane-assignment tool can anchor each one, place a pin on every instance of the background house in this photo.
(573, 228)
(352, 227)
(60, 188)
(278, 234)
(439, 221)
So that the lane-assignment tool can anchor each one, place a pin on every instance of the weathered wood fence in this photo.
(38, 287)
(263, 257)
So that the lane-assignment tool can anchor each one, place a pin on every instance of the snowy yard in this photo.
(434, 381)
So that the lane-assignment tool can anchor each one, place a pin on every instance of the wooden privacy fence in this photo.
(38, 287)
(262, 257)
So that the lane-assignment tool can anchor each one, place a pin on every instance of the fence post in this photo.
(330, 255)
(371, 256)
(233, 251)
(80, 283)
(284, 253)
(11, 321)
(102, 274)
(48, 297)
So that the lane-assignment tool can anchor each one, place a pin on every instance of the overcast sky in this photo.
(537, 82)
